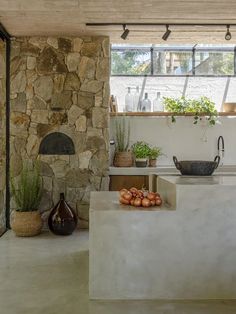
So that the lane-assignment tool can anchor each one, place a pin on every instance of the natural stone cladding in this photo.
(62, 85)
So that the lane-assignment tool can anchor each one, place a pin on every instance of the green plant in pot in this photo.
(154, 153)
(200, 108)
(27, 193)
(123, 156)
(141, 151)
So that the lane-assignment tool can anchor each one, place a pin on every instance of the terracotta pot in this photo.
(62, 219)
(26, 224)
(123, 159)
(152, 162)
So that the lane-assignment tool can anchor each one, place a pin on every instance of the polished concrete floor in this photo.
(49, 275)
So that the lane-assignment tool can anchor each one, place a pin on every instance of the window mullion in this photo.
(151, 56)
(234, 60)
(193, 60)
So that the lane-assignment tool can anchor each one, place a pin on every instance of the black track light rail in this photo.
(161, 24)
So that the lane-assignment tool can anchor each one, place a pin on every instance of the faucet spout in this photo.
(221, 147)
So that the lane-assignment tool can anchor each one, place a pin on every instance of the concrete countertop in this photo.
(201, 180)
(135, 171)
(188, 252)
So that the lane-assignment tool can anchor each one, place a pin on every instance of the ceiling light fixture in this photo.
(167, 33)
(228, 34)
(125, 33)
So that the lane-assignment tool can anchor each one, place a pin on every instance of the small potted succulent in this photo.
(123, 156)
(141, 151)
(26, 220)
(154, 153)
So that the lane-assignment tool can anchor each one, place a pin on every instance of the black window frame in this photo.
(193, 50)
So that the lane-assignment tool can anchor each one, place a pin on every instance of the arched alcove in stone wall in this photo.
(57, 143)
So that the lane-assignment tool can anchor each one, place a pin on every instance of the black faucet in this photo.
(222, 149)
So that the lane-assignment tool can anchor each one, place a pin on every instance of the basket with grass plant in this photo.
(27, 194)
(123, 156)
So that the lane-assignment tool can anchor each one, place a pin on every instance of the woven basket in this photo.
(123, 159)
(26, 224)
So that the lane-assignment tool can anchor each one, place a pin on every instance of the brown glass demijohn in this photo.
(62, 219)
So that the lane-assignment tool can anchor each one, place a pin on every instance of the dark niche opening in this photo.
(57, 144)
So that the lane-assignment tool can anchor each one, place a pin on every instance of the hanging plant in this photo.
(198, 107)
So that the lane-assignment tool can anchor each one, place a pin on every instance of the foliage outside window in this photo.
(214, 63)
(172, 62)
(132, 62)
(176, 61)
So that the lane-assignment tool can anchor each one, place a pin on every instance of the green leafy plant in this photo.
(122, 134)
(28, 192)
(141, 149)
(155, 152)
(198, 107)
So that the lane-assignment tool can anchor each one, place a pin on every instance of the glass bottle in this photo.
(136, 99)
(129, 101)
(62, 219)
(146, 104)
(157, 104)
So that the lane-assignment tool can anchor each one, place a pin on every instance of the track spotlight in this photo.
(167, 33)
(125, 33)
(228, 34)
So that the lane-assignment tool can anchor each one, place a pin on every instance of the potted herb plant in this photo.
(123, 156)
(154, 153)
(26, 220)
(141, 151)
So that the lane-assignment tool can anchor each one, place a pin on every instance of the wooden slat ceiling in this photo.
(68, 17)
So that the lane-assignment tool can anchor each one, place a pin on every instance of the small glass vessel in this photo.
(62, 219)
(136, 99)
(146, 104)
(129, 101)
(157, 104)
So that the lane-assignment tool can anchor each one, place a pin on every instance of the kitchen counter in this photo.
(217, 179)
(160, 169)
(134, 171)
(185, 250)
(197, 192)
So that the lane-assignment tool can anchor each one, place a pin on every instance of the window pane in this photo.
(130, 62)
(172, 62)
(214, 63)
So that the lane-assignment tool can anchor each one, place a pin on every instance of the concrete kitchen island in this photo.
(185, 250)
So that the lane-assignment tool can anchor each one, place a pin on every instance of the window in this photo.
(131, 61)
(166, 60)
(214, 63)
(172, 62)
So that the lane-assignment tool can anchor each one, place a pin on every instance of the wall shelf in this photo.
(164, 114)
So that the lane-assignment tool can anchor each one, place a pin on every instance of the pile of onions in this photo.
(139, 198)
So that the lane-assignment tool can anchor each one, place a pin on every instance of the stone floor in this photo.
(49, 275)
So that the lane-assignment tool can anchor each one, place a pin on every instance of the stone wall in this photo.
(62, 85)
(2, 134)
